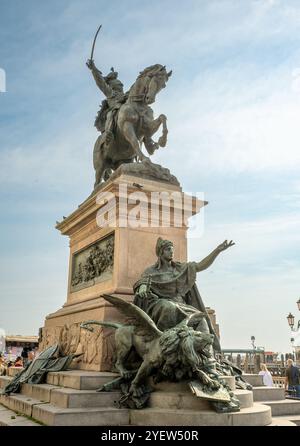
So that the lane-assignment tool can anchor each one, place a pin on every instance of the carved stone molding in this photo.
(95, 347)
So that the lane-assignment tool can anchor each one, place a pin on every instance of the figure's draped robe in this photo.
(173, 296)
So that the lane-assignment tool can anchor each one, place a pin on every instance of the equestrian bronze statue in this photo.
(126, 120)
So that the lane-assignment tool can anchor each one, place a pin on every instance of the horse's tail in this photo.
(102, 323)
(97, 150)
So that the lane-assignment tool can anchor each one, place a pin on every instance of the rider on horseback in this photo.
(112, 88)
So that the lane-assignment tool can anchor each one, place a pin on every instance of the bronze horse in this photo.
(133, 125)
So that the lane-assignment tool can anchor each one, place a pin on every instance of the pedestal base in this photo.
(112, 241)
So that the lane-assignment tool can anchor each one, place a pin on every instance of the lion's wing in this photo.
(137, 316)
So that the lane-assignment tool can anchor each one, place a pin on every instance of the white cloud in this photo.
(229, 117)
(61, 161)
(224, 123)
(259, 243)
(253, 285)
(229, 111)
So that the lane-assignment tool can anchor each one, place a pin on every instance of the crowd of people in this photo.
(6, 360)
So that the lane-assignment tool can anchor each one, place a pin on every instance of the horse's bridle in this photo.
(142, 97)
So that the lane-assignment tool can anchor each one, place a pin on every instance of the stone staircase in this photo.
(70, 399)
(274, 397)
(10, 418)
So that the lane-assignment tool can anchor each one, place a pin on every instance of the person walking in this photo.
(292, 378)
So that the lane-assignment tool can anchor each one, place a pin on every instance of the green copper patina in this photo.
(49, 360)
(171, 333)
(176, 354)
(126, 120)
(168, 293)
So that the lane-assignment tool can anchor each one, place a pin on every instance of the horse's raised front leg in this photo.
(162, 141)
(153, 125)
(130, 136)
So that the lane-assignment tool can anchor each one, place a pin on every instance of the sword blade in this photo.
(92, 53)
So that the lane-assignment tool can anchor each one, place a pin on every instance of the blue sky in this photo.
(233, 106)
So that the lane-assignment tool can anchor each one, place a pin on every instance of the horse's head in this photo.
(158, 79)
(149, 82)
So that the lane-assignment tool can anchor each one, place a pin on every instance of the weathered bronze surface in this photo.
(49, 360)
(93, 264)
(216, 395)
(175, 354)
(126, 120)
(167, 290)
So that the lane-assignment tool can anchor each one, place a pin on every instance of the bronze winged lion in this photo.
(176, 353)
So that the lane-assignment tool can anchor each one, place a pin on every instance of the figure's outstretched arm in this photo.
(207, 261)
(99, 79)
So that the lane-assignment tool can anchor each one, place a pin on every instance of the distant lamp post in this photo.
(291, 322)
(291, 318)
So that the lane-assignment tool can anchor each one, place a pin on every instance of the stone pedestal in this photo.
(112, 240)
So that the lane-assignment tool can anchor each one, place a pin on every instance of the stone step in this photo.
(268, 393)
(54, 416)
(278, 421)
(66, 397)
(253, 379)
(283, 407)
(19, 403)
(187, 401)
(295, 419)
(177, 401)
(10, 418)
(79, 379)
(184, 385)
(257, 415)
(245, 398)
(40, 392)
(73, 398)
(13, 371)
(4, 380)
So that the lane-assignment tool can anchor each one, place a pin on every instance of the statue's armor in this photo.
(105, 119)
(115, 97)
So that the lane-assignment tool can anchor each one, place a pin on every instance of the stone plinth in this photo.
(112, 240)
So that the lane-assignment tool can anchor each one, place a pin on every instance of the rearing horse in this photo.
(134, 125)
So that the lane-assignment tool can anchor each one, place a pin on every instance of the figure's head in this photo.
(203, 342)
(116, 85)
(164, 249)
(263, 368)
(113, 81)
(289, 362)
